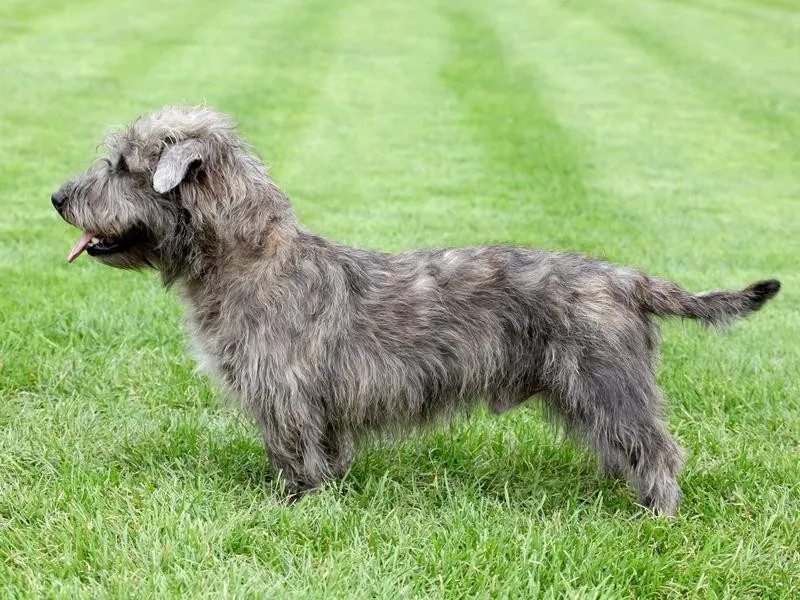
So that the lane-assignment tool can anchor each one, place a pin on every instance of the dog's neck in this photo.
(201, 254)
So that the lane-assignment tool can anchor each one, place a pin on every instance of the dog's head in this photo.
(175, 182)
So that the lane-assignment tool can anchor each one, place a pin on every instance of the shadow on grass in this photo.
(428, 471)
(547, 479)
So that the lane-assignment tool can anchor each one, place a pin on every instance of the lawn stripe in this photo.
(76, 56)
(680, 167)
(789, 7)
(154, 73)
(22, 18)
(384, 156)
(521, 134)
(274, 94)
(534, 161)
(88, 69)
(645, 25)
(765, 21)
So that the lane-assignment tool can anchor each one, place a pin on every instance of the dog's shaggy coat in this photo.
(325, 343)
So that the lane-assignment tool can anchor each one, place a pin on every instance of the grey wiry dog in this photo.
(324, 343)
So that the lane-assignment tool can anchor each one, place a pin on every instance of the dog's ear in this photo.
(174, 164)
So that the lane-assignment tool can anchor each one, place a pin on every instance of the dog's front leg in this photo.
(295, 445)
(340, 448)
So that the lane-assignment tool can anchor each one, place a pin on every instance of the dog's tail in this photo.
(665, 298)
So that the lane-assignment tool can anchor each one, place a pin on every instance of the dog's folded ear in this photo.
(174, 164)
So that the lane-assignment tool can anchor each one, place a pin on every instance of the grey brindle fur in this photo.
(324, 343)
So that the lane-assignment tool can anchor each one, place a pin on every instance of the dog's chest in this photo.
(234, 350)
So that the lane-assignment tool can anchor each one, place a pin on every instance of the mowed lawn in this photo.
(660, 134)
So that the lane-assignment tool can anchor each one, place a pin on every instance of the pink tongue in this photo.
(80, 246)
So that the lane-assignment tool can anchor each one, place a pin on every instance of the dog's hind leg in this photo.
(616, 408)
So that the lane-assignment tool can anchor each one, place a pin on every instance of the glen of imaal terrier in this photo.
(324, 343)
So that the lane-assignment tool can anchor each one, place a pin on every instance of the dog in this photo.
(325, 344)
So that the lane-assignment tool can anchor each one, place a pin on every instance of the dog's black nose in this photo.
(58, 199)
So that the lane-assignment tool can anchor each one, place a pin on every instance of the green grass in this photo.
(660, 134)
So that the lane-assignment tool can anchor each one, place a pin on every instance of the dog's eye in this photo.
(122, 164)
